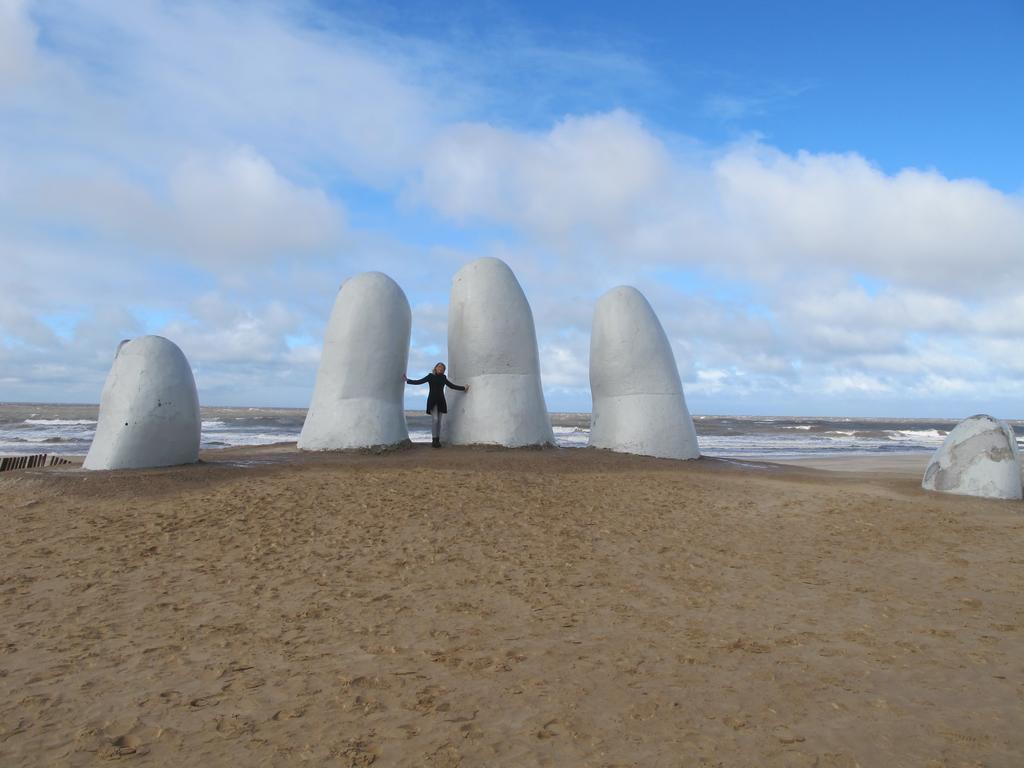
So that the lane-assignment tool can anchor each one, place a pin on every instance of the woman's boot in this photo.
(437, 442)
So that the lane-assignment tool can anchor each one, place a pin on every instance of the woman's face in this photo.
(439, 369)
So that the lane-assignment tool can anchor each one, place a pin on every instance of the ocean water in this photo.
(68, 430)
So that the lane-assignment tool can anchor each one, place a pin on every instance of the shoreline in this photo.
(890, 462)
(894, 463)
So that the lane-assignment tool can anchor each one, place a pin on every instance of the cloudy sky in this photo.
(824, 202)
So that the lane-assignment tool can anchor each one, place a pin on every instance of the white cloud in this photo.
(753, 210)
(915, 228)
(593, 172)
(1004, 355)
(854, 382)
(21, 325)
(289, 81)
(564, 363)
(710, 381)
(1003, 317)
(237, 209)
(219, 331)
(221, 212)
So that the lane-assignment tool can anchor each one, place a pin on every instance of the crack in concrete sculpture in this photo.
(492, 347)
(358, 399)
(979, 457)
(638, 402)
(149, 409)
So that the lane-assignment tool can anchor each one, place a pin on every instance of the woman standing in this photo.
(436, 404)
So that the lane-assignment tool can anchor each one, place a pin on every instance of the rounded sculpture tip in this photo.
(492, 346)
(638, 402)
(979, 457)
(358, 398)
(149, 409)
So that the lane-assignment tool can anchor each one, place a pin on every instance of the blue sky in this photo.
(823, 201)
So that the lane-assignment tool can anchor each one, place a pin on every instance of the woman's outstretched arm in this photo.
(454, 386)
(417, 381)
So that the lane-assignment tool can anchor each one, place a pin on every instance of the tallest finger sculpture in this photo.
(492, 347)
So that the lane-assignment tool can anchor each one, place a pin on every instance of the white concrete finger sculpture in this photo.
(979, 457)
(638, 403)
(358, 399)
(492, 347)
(149, 409)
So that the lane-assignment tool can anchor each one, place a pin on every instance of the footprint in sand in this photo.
(375, 682)
(134, 741)
(243, 684)
(234, 726)
(171, 697)
(787, 736)
(427, 698)
(550, 729)
(127, 745)
(964, 737)
(358, 752)
(364, 705)
(234, 667)
(288, 714)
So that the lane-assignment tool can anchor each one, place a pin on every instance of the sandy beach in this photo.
(476, 607)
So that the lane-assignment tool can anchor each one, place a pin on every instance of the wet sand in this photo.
(907, 465)
(506, 608)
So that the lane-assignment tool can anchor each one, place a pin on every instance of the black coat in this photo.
(437, 382)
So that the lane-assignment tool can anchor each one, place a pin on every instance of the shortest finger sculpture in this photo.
(638, 403)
